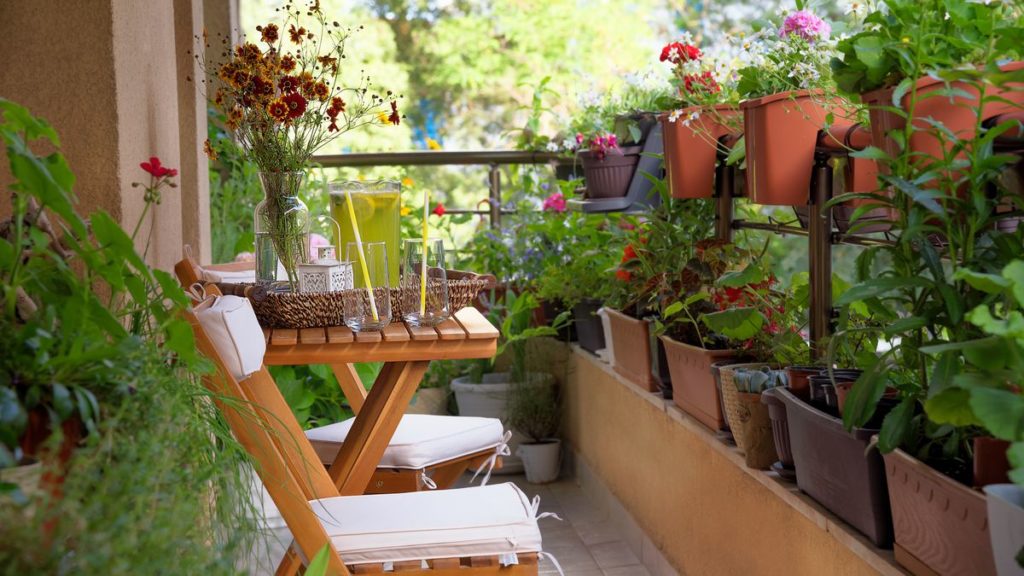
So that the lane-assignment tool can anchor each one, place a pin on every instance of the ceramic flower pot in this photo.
(941, 525)
(609, 177)
(1006, 527)
(693, 386)
(781, 133)
(956, 110)
(541, 460)
(632, 350)
(836, 468)
(691, 149)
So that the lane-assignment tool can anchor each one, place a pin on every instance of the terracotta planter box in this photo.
(836, 468)
(691, 150)
(957, 113)
(693, 386)
(632, 350)
(941, 525)
(781, 132)
(610, 177)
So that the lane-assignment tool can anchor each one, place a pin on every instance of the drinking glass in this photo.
(424, 303)
(363, 313)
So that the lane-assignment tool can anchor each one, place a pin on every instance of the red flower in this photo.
(394, 118)
(156, 169)
(704, 80)
(623, 275)
(628, 253)
(677, 53)
(438, 210)
(296, 105)
(288, 84)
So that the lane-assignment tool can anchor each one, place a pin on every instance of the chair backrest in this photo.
(284, 458)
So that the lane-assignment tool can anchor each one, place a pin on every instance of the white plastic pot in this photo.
(608, 354)
(489, 399)
(541, 460)
(1006, 526)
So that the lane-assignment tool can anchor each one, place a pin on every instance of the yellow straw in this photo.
(362, 256)
(423, 264)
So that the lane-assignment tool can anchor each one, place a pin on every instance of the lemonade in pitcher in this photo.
(377, 207)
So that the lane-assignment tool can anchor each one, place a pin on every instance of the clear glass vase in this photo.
(281, 225)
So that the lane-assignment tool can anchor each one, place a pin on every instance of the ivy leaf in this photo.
(1001, 412)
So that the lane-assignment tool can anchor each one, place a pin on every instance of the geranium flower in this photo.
(623, 275)
(296, 105)
(806, 25)
(156, 169)
(438, 210)
(628, 253)
(555, 203)
(677, 53)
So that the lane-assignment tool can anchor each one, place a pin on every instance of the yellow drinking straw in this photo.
(423, 264)
(362, 256)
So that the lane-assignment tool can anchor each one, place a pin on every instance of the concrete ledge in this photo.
(697, 508)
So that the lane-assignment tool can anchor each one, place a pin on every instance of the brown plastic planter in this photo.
(941, 525)
(610, 177)
(991, 465)
(691, 150)
(781, 133)
(589, 331)
(693, 386)
(835, 468)
(797, 377)
(632, 349)
(780, 434)
(957, 113)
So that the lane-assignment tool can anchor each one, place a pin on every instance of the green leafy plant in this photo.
(534, 410)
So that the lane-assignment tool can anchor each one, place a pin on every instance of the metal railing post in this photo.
(820, 243)
(494, 182)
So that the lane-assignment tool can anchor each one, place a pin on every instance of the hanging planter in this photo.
(693, 386)
(632, 350)
(956, 108)
(608, 176)
(781, 132)
(941, 525)
(691, 148)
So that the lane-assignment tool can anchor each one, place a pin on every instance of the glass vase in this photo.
(281, 225)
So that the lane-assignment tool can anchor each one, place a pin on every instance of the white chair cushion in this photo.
(478, 521)
(421, 440)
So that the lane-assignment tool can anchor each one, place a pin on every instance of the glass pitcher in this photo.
(378, 209)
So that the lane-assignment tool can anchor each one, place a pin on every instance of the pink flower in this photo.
(579, 138)
(316, 241)
(245, 257)
(805, 25)
(555, 203)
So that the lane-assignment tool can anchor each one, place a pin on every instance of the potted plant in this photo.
(484, 392)
(534, 412)
(434, 391)
(706, 110)
(751, 425)
(284, 99)
(789, 97)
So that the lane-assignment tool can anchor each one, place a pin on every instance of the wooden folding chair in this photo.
(401, 476)
(300, 487)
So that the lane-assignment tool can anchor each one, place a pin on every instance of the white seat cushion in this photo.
(478, 521)
(421, 440)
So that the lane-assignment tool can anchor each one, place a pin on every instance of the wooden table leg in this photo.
(351, 385)
(375, 425)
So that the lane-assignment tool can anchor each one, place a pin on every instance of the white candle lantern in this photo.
(326, 273)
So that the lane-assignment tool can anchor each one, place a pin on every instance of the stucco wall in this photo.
(691, 495)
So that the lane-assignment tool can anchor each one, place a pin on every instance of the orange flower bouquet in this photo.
(283, 100)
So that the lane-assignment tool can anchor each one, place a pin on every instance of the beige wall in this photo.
(105, 73)
(705, 513)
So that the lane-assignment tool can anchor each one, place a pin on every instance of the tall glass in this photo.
(281, 224)
(424, 283)
(377, 209)
(368, 310)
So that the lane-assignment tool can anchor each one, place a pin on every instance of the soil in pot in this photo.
(632, 350)
(836, 468)
(1006, 527)
(589, 330)
(780, 433)
(781, 132)
(941, 525)
(541, 460)
(609, 177)
(693, 385)
(991, 465)
(691, 149)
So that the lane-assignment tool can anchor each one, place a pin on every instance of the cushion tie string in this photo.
(499, 451)
(535, 505)
(427, 481)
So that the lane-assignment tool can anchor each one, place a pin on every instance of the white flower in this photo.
(675, 115)
(693, 116)
(856, 9)
(552, 147)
